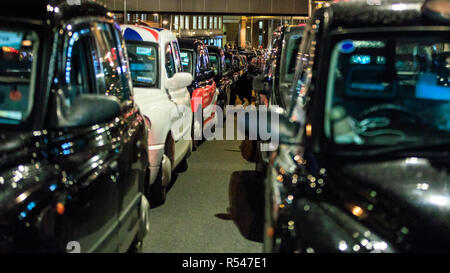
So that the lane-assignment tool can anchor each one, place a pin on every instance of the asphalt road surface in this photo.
(196, 217)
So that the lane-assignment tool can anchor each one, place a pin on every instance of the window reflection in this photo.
(107, 69)
(18, 51)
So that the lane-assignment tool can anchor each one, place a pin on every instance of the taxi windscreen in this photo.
(186, 61)
(215, 65)
(18, 51)
(143, 64)
(388, 91)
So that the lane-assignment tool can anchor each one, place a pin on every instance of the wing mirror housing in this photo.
(179, 80)
(85, 110)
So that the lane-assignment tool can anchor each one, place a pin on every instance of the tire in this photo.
(183, 166)
(137, 245)
(157, 193)
(260, 165)
(195, 143)
(225, 104)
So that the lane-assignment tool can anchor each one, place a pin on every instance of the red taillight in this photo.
(10, 49)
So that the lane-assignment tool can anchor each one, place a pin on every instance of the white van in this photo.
(161, 94)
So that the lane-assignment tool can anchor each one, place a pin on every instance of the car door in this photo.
(87, 155)
(113, 76)
(180, 96)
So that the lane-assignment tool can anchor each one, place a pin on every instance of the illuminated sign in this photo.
(360, 59)
(144, 51)
(10, 39)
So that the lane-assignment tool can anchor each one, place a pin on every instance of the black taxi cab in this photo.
(224, 75)
(367, 168)
(73, 156)
(362, 163)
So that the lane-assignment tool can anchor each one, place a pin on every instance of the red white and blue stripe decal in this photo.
(140, 33)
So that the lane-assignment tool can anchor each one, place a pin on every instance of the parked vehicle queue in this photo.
(363, 162)
(89, 115)
(74, 154)
(88, 123)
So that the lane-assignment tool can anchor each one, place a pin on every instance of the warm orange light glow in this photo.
(280, 178)
(60, 208)
(357, 211)
(308, 129)
(10, 49)
(27, 43)
(270, 232)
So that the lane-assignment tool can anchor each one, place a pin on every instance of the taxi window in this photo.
(215, 62)
(202, 64)
(79, 57)
(177, 56)
(170, 61)
(18, 55)
(391, 89)
(144, 67)
(91, 63)
(107, 68)
(186, 61)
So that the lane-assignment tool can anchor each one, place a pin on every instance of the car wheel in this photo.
(195, 143)
(136, 247)
(260, 165)
(144, 228)
(196, 127)
(183, 166)
(157, 192)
